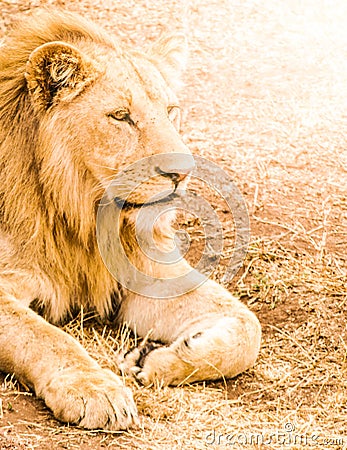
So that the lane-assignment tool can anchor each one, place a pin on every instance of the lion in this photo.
(76, 107)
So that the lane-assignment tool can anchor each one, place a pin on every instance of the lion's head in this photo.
(84, 107)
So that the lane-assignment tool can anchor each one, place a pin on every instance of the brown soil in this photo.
(266, 99)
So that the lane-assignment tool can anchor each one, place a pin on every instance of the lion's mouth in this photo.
(124, 204)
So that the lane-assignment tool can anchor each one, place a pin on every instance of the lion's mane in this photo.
(47, 215)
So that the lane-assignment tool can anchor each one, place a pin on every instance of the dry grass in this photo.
(266, 98)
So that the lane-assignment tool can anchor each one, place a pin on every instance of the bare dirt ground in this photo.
(265, 98)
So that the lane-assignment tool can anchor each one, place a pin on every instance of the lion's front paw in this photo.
(93, 398)
(132, 362)
(151, 362)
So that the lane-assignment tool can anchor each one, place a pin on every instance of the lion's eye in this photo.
(174, 114)
(120, 114)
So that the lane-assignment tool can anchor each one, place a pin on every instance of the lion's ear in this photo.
(55, 72)
(170, 53)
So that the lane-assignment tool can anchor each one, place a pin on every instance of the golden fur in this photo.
(64, 86)
(46, 205)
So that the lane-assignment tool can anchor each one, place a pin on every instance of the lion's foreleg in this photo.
(61, 372)
(206, 334)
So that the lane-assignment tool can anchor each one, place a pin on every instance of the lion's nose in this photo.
(175, 175)
(175, 166)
